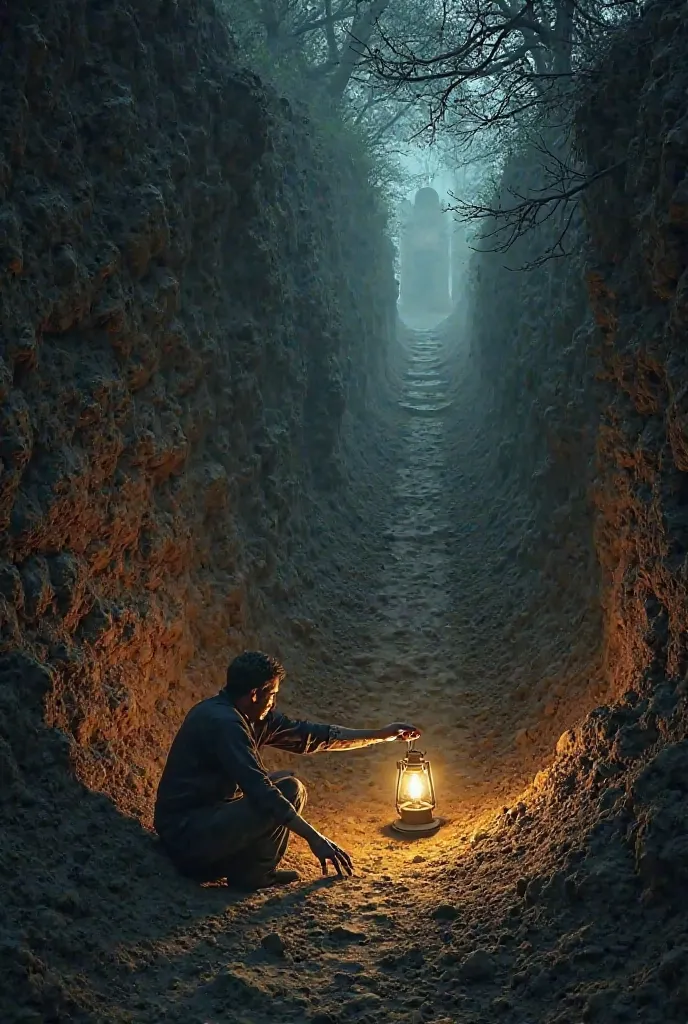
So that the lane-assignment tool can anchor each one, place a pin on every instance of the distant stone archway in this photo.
(424, 255)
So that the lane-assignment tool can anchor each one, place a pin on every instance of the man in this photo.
(218, 812)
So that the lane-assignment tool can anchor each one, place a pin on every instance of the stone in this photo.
(445, 912)
(567, 744)
(479, 836)
(674, 964)
(343, 934)
(274, 943)
(478, 966)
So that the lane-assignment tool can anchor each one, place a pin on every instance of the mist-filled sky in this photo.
(422, 163)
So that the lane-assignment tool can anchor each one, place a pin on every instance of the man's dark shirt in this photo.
(215, 756)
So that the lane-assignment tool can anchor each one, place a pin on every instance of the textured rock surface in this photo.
(526, 406)
(638, 284)
(186, 308)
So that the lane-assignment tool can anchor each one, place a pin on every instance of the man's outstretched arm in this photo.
(341, 738)
(301, 737)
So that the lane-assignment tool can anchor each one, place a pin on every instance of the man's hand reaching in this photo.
(326, 851)
(340, 738)
(399, 731)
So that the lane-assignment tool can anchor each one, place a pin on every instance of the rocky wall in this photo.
(526, 406)
(193, 289)
(634, 127)
(619, 777)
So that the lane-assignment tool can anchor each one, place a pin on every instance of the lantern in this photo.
(415, 796)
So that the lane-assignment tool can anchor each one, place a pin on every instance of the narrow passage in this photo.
(369, 948)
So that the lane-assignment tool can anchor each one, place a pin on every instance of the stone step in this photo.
(433, 382)
(425, 410)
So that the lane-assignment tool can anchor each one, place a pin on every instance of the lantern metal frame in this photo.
(416, 821)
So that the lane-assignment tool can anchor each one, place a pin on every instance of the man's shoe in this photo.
(273, 878)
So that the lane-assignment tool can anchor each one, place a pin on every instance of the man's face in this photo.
(266, 699)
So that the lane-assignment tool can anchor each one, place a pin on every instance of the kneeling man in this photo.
(219, 813)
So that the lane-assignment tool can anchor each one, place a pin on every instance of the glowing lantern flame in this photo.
(415, 787)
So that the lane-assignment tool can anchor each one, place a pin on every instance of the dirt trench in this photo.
(126, 940)
(330, 950)
(529, 916)
(417, 586)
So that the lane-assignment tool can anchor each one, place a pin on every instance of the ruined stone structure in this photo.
(424, 255)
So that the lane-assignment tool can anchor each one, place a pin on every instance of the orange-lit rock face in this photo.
(176, 331)
(638, 223)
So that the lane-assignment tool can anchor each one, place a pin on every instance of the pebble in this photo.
(502, 1004)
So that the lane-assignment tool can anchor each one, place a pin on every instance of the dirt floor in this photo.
(409, 668)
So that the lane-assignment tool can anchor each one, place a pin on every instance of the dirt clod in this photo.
(342, 933)
(274, 943)
(477, 966)
(445, 912)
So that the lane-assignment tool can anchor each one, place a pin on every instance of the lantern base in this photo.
(416, 828)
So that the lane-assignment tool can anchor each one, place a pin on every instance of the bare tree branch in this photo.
(558, 199)
(360, 34)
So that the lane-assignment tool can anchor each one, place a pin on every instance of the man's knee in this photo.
(294, 790)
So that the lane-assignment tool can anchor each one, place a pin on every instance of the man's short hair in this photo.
(252, 670)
